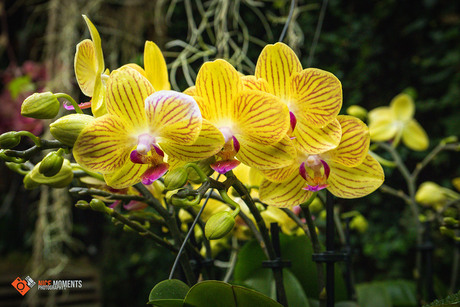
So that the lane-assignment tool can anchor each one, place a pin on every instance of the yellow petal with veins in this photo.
(127, 90)
(403, 107)
(208, 143)
(218, 83)
(354, 145)
(104, 145)
(138, 69)
(276, 64)
(85, 66)
(155, 67)
(98, 106)
(261, 157)
(355, 182)
(254, 83)
(97, 45)
(313, 140)
(280, 174)
(127, 176)
(190, 91)
(415, 137)
(381, 113)
(316, 96)
(284, 194)
(173, 116)
(260, 117)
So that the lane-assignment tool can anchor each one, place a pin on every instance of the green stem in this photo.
(230, 201)
(277, 272)
(198, 170)
(72, 101)
(30, 135)
(316, 247)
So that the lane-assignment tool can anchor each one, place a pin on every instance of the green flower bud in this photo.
(41, 106)
(99, 205)
(29, 183)
(51, 164)
(62, 179)
(67, 128)
(449, 139)
(451, 222)
(175, 179)
(357, 111)
(205, 166)
(184, 202)
(81, 204)
(219, 225)
(9, 140)
(359, 223)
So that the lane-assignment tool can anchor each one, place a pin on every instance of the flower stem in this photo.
(72, 101)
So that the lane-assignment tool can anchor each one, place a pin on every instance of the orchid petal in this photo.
(381, 113)
(155, 67)
(316, 96)
(208, 143)
(354, 145)
(127, 176)
(414, 136)
(97, 45)
(280, 174)
(218, 83)
(85, 66)
(98, 101)
(403, 107)
(355, 182)
(254, 83)
(262, 157)
(260, 117)
(138, 69)
(173, 116)
(284, 194)
(191, 91)
(126, 92)
(104, 145)
(311, 140)
(276, 64)
(224, 166)
(382, 130)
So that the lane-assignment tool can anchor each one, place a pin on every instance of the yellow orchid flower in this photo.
(347, 171)
(128, 144)
(396, 122)
(253, 123)
(89, 68)
(314, 96)
(155, 69)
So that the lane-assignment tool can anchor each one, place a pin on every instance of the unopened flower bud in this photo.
(81, 204)
(51, 164)
(219, 225)
(67, 128)
(450, 221)
(99, 205)
(175, 179)
(181, 202)
(449, 139)
(430, 194)
(357, 111)
(41, 106)
(9, 140)
(359, 223)
(62, 179)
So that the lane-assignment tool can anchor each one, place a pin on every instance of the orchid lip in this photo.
(153, 173)
(315, 188)
(293, 120)
(327, 169)
(236, 144)
(224, 166)
(136, 157)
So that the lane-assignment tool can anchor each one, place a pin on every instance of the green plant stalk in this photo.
(198, 170)
(72, 101)
(171, 222)
(277, 272)
(142, 231)
(30, 135)
(316, 247)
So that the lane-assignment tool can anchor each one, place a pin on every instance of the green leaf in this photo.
(218, 293)
(450, 301)
(168, 293)
(298, 250)
(400, 293)
(373, 295)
